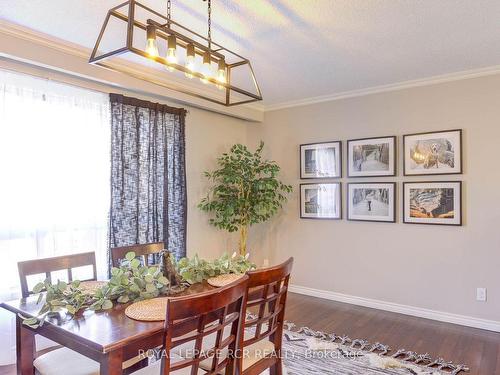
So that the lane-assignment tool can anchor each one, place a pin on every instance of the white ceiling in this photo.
(308, 48)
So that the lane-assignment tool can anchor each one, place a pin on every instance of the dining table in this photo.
(108, 337)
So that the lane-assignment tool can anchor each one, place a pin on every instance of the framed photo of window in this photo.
(321, 201)
(321, 160)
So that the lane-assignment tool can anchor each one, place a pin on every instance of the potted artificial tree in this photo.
(245, 191)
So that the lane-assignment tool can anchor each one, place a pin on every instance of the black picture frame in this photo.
(302, 161)
(339, 200)
(394, 158)
(459, 153)
(394, 201)
(434, 183)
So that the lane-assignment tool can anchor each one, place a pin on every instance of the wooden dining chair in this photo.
(48, 265)
(142, 251)
(192, 319)
(57, 359)
(262, 339)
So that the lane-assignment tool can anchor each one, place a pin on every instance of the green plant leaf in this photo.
(129, 256)
(38, 288)
(107, 304)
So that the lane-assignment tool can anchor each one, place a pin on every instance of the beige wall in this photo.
(433, 267)
(207, 136)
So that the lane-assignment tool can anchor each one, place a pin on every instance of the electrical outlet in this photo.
(481, 294)
(265, 263)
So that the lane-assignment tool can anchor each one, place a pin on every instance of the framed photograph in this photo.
(432, 203)
(433, 153)
(371, 157)
(321, 160)
(371, 202)
(321, 201)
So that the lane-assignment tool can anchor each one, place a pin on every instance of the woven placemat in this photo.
(90, 287)
(150, 310)
(223, 280)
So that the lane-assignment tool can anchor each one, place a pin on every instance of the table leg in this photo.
(111, 363)
(25, 349)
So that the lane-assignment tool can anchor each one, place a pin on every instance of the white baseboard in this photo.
(469, 321)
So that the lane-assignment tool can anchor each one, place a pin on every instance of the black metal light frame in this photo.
(163, 31)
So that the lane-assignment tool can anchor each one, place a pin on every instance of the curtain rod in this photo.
(92, 83)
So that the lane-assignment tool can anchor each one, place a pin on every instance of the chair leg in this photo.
(277, 368)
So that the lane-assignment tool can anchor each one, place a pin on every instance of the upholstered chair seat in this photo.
(58, 361)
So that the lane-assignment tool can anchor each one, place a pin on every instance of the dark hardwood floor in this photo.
(477, 348)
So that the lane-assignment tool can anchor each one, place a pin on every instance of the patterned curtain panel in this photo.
(148, 179)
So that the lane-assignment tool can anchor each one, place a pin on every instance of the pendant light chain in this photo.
(209, 24)
(169, 12)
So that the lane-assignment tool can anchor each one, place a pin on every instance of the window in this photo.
(54, 168)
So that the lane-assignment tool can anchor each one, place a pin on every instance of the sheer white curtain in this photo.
(54, 179)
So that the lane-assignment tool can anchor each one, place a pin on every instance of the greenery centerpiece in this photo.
(130, 282)
(245, 191)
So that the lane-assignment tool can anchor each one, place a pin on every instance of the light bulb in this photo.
(206, 70)
(151, 44)
(190, 60)
(221, 73)
(171, 52)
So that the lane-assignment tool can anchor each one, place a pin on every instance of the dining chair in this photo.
(57, 360)
(141, 250)
(263, 334)
(219, 313)
(48, 265)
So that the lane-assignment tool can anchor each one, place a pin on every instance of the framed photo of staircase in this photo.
(371, 157)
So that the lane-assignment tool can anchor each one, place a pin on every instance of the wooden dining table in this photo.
(108, 337)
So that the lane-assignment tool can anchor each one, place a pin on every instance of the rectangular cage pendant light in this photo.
(173, 56)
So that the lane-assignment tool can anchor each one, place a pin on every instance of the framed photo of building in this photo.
(371, 157)
(374, 201)
(321, 201)
(433, 153)
(321, 160)
(432, 203)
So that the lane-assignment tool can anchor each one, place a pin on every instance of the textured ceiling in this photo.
(308, 48)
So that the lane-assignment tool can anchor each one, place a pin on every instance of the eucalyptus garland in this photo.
(130, 282)
(195, 270)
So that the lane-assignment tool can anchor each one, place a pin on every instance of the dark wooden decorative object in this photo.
(267, 293)
(168, 268)
(48, 265)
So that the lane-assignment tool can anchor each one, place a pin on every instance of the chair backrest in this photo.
(267, 292)
(192, 319)
(48, 265)
(143, 251)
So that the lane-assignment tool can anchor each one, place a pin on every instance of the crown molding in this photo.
(434, 80)
(250, 111)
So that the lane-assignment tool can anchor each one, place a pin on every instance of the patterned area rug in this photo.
(309, 352)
